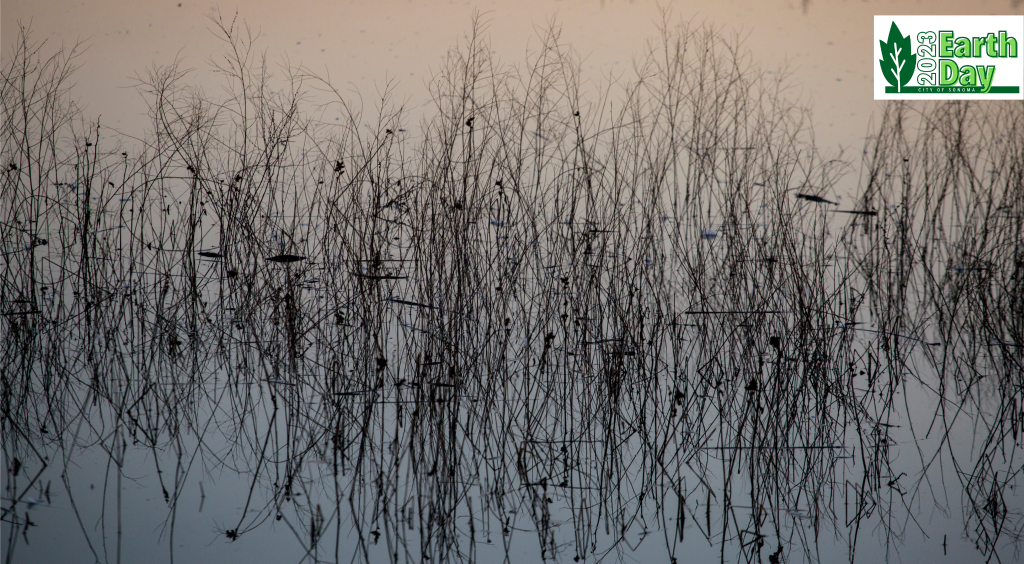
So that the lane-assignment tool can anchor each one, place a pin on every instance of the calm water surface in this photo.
(534, 306)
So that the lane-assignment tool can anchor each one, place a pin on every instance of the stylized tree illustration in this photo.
(898, 59)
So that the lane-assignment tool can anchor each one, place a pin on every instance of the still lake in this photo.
(534, 310)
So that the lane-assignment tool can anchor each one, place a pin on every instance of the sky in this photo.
(826, 45)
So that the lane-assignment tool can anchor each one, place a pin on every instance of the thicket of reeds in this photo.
(581, 313)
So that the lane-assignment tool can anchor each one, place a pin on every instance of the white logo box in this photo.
(956, 57)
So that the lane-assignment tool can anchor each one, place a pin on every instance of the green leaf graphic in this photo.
(898, 59)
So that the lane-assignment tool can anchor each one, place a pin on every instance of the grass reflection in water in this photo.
(559, 320)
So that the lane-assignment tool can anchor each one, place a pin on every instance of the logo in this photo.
(949, 58)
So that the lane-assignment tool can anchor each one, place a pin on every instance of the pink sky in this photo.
(362, 44)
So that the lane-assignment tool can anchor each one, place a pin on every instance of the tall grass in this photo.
(570, 310)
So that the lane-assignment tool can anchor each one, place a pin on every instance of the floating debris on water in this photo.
(285, 258)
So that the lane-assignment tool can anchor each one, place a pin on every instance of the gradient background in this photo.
(360, 45)
(825, 44)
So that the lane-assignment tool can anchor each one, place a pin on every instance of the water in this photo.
(508, 335)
